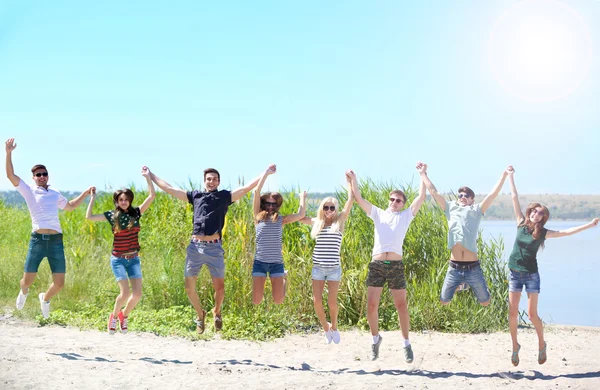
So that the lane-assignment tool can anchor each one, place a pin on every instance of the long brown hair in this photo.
(536, 229)
(130, 210)
(263, 214)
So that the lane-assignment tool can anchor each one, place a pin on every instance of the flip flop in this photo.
(542, 354)
(515, 356)
(218, 322)
(200, 323)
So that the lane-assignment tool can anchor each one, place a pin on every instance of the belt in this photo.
(215, 241)
(465, 267)
(47, 237)
(127, 257)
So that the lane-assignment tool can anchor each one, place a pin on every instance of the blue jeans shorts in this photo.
(46, 245)
(517, 279)
(333, 274)
(126, 268)
(472, 275)
(201, 253)
(274, 270)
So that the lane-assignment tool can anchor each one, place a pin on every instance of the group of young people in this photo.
(327, 228)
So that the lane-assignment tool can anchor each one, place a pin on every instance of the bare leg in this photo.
(402, 308)
(27, 280)
(190, 289)
(58, 282)
(332, 295)
(318, 286)
(258, 289)
(219, 286)
(134, 298)
(121, 299)
(535, 319)
(513, 317)
(278, 288)
(373, 298)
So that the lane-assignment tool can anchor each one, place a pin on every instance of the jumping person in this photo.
(124, 260)
(210, 207)
(46, 237)
(391, 226)
(268, 260)
(523, 267)
(464, 217)
(327, 230)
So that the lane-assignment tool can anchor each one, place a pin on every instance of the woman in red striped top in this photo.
(125, 262)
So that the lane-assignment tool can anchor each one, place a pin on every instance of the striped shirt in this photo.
(126, 240)
(269, 241)
(327, 248)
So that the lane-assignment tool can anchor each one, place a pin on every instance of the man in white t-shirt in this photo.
(46, 237)
(386, 265)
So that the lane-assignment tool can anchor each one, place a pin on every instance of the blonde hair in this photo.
(339, 219)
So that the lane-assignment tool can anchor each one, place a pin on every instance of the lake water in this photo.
(569, 269)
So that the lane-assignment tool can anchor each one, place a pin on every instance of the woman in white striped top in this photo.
(327, 229)
(268, 260)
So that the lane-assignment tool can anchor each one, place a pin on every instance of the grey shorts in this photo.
(201, 253)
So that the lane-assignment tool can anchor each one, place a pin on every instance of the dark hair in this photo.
(263, 208)
(467, 191)
(399, 193)
(212, 170)
(536, 229)
(38, 166)
(130, 210)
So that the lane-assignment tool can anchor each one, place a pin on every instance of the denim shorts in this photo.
(201, 253)
(518, 279)
(473, 277)
(260, 268)
(333, 274)
(46, 245)
(126, 268)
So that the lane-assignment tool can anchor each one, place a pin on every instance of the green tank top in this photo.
(524, 254)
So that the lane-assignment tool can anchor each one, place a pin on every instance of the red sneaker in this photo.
(112, 324)
(123, 322)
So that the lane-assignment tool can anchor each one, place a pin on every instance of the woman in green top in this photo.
(523, 268)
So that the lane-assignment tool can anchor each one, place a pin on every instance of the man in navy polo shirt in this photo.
(210, 207)
(46, 237)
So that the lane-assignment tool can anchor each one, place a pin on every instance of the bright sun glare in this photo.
(540, 50)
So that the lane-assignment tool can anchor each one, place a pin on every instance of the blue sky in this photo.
(96, 90)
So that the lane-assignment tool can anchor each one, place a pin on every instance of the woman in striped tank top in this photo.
(327, 229)
(268, 259)
(125, 261)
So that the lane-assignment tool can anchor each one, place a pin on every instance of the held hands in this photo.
(350, 174)
(146, 171)
(303, 196)
(421, 167)
(91, 191)
(10, 145)
(595, 221)
(509, 171)
(271, 169)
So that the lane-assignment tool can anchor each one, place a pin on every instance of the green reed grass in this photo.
(90, 288)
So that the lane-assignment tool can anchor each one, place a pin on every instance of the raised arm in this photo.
(571, 231)
(88, 213)
(151, 193)
(258, 188)
(301, 211)
(240, 192)
(10, 172)
(350, 201)
(365, 205)
(166, 187)
(74, 203)
(515, 196)
(418, 201)
(487, 202)
(439, 199)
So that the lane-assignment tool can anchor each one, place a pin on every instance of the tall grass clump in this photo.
(90, 289)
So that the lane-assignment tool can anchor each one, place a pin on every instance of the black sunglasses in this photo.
(461, 195)
(270, 204)
(397, 200)
(327, 208)
(40, 174)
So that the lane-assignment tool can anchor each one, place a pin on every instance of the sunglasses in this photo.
(461, 195)
(540, 213)
(270, 204)
(40, 174)
(327, 208)
(397, 200)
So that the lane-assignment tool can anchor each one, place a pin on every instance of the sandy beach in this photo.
(50, 357)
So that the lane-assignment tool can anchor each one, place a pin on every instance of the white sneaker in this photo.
(21, 300)
(335, 336)
(328, 336)
(44, 305)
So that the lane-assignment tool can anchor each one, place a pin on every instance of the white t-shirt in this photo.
(390, 229)
(43, 206)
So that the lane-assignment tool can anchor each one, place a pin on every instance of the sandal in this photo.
(542, 354)
(200, 323)
(515, 356)
(218, 322)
